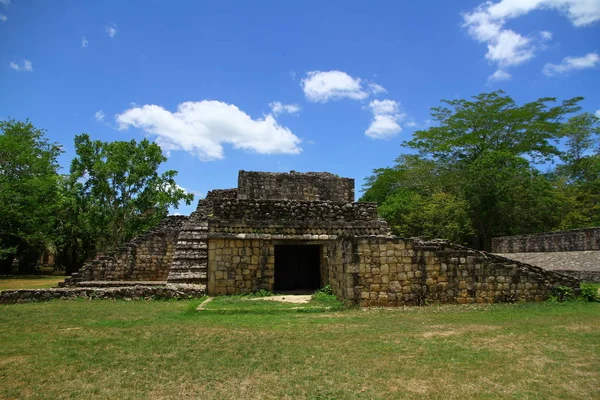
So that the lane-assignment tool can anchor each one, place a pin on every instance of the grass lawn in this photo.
(29, 281)
(166, 349)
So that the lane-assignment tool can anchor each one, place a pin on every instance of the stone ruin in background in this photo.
(301, 231)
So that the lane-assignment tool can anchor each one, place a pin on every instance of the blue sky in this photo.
(278, 85)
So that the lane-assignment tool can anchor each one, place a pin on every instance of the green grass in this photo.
(250, 304)
(165, 349)
(29, 281)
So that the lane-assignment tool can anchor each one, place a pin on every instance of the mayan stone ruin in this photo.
(299, 232)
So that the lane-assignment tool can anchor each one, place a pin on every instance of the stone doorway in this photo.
(297, 268)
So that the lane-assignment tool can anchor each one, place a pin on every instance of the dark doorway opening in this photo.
(297, 267)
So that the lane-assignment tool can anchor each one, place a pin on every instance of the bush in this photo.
(562, 293)
(589, 293)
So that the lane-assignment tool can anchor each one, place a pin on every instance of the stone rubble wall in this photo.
(321, 186)
(284, 211)
(146, 258)
(397, 272)
(571, 240)
(114, 293)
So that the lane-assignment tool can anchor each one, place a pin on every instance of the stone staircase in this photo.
(190, 260)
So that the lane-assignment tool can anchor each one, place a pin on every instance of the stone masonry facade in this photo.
(275, 227)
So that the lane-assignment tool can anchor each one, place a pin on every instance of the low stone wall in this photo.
(396, 272)
(113, 293)
(571, 240)
(294, 186)
(146, 258)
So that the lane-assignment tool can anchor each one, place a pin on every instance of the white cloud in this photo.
(26, 65)
(111, 30)
(3, 18)
(411, 124)
(598, 113)
(386, 118)
(509, 48)
(376, 89)
(569, 64)
(84, 42)
(321, 87)
(579, 12)
(99, 115)
(5, 3)
(499, 75)
(202, 127)
(278, 108)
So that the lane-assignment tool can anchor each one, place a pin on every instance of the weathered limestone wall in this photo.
(396, 272)
(146, 258)
(294, 186)
(571, 240)
(240, 266)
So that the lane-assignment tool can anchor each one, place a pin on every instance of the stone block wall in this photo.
(240, 266)
(294, 186)
(397, 272)
(146, 258)
(248, 265)
(571, 240)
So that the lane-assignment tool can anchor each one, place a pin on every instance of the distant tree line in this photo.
(489, 167)
(112, 193)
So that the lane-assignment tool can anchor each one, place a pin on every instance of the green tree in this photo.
(114, 193)
(580, 172)
(28, 194)
(482, 155)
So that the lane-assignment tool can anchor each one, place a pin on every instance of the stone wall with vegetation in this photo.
(321, 186)
(571, 240)
(146, 258)
(396, 272)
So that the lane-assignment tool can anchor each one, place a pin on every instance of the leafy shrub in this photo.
(562, 293)
(589, 293)
(326, 290)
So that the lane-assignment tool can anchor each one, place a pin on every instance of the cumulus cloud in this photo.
(278, 108)
(499, 76)
(111, 30)
(202, 127)
(386, 118)
(84, 42)
(509, 48)
(26, 66)
(3, 18)
(598, 113)
(324, 86)
(570, 64)
(99, 115)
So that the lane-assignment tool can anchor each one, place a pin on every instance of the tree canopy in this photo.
(28, 193)
(492, 163)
